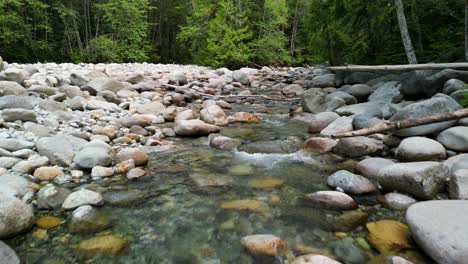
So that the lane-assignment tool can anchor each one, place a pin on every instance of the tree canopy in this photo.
(230, 33)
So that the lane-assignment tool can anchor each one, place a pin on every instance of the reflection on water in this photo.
(197, 203)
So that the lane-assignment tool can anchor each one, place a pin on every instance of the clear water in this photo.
(177, 221)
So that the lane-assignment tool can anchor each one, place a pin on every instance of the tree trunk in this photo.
(404, 67)
(404, 33)
(466, 30)
(407, 123)
(294, 29)
(415, 17)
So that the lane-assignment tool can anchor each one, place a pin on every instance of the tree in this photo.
(404, 33)
(466, 30)
(271, 46)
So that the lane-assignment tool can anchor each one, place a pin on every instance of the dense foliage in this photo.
(229, 32)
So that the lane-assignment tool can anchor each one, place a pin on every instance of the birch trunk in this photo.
(404, 33)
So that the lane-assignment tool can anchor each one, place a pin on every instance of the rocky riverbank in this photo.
(66, 127)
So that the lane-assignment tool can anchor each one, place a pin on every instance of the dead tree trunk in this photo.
(405, 36)
(407, 123)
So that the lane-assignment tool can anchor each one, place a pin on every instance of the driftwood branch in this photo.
(405, 67)
(407, 123)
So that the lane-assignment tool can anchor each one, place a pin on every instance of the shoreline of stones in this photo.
(68, 122)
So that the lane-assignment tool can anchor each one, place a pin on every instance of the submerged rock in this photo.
(330, 200)
(86, 219)
(82, 197)
(109, 245)
(246, 205)
(314, 259)
(350, 182)
(47, 222)
(269, 245)
(388, 236)
(266, 184)
(397, 201)
(51, 197)
(7, 255)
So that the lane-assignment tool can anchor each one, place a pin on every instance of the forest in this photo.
(230, 33)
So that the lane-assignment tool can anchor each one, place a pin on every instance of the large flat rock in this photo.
(440, 228)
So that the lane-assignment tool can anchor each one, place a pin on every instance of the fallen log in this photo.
(407, 123)
(404, 67)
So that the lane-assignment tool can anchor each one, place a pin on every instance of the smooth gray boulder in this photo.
(323, 81)
(427, 82)
(240, 76)
(13, 101)
(453, 85)
(59, 149)
(458, 162)
(14, 144)
(94, 153)
(7, 255)
(82, 197)
(314, 101)
(420, 149)
(348, 98)
(293, 89)
(321, 120)
(388, 92)
(436, 105)
(15, 216)
(14, 114)
(350, 182)
(51, 196)
(440, 229)
(14, 75)
(364, 108)
(359, 91)
(11, 88)
(16, 186)
(458, 185)
(454, 138)
(370, 167)
(101, 84)
(339, 125)
(356, 147)
(420, 179)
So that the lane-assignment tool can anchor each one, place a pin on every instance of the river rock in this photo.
(339, 125)
(436, 105)
(388, 236)
(135, 173)
(348, 252)
(439, 228)
(47, 173)
(319, 145)
(14, 75)
(397, 201)
(51, 196)
(124, 198)
(86, 219)
(243, 117)
(330, 200)
(178, 78)
(82, 197)
(226, 143)
(95, 153)
(453, 85)
(107, 245)
(8, 162)
(194, 128)
(364, 108)
(458, 185)
(214, 115)
(11, 88)
(15, 185)
(240, 76)
(321, 120)
(155, 108)
(15, 216)
(38, 130)
(100, 171)
(314, 259)
(359, 91)
(350, 182)
(421, 179)
(271, 147)
(428, 82)
(293, 89)
(370, 167)
(420, 149)
(59, 149)
(388, 92)
(454, 138)
(250, 205)
(348, 98)
(314, 101)
(31, 164)
(264, 245)
(356, 147)
(13, 101)
(101, 84)
(188, 114)
(14, 144)
(7, 255)
(323, 81)
(137, 155)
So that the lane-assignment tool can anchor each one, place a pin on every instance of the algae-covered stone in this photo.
(47, 222)
(245, 205)
(266, 184)
(388, 236)
(109, 245)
